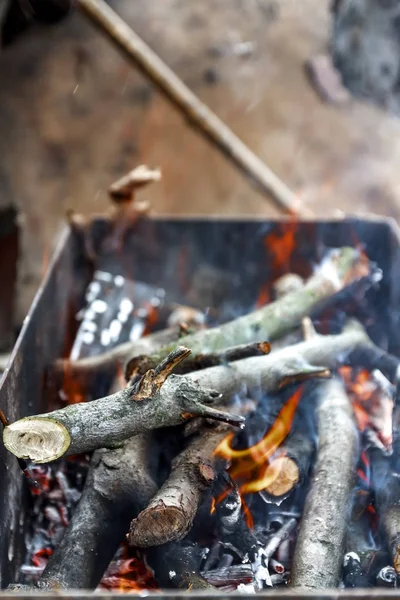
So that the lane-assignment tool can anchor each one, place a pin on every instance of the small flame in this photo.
(71, 388)
(372, 405)
(252, 464)
(281, 245)
(247, 515)
(264, 296)
(131, 576)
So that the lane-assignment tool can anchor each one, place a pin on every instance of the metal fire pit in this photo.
(168, 253)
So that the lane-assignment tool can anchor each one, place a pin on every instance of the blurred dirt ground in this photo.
(74, 116)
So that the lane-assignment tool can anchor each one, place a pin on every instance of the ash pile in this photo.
(236, 454)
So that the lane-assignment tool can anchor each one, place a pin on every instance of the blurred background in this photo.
(312, 87)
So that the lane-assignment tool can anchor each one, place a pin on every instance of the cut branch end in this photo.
(37, 438)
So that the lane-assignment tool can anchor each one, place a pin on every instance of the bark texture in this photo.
(117, 487)
(318, 556)
(170, 513)
(272, 321)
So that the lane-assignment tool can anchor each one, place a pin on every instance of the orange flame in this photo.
(252, 464)
(281, 245)
(71, 387)
(132, 576)
(372, 406)
(264, 296)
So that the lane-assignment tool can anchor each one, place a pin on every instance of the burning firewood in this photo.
(117, 486)
(270, 322)
(317, 561)
(156, 400)
(170, 513)
(85, 370)
(88, 426)
(140, 364)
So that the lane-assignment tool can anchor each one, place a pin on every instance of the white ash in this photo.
(350, 556)
(246, 588)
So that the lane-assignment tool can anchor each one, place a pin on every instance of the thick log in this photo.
(170, 513)
(340, 268)
(156, 400)
(117, 487)
(317, 560)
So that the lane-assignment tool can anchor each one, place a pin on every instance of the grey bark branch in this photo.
(104, 422)
(149, 404)
(340, 268)
(117, 487)
(318, 556)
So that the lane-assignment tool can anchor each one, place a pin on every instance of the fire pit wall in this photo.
(202, 262)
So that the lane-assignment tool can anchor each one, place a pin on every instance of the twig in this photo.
(197, 113)
(140, 364)
(125, 187)
(85, 370)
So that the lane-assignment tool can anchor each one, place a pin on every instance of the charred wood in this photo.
(232, 575)
(117, 487)
(176, 566)
(317, 560)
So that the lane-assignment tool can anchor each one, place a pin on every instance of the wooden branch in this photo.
(125, 187)
(385, 482)
(170, 513)
(87, 426)
(149, 404)
(317, 560)
(197, 113)
(118, 486)
(272, 321)
(292, 464)
(139, 365)
(85, 370)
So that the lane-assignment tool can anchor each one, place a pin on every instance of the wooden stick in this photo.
(140, 364)
(169, 515)
(84, 370)
(149, 404)
(318, 556)
(197, 113)
(338, 269)
(117, 487)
